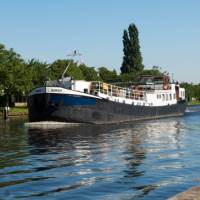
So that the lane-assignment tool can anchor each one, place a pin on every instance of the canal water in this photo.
(145, 160)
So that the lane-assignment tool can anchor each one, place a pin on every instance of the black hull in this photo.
(97, 111)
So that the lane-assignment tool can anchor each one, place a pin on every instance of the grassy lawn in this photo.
(16, 110)
(191, 103)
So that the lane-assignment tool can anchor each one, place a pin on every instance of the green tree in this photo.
(192, 91)
(155, 71)
(89, 73)
(37, 72)
(107, 75)
(128, 78)
(132, 59)
(57, 68)
(11, 65)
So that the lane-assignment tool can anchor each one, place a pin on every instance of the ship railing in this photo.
(117, 91)
(151, 87)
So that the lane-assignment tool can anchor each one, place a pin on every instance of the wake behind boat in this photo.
(96, 102)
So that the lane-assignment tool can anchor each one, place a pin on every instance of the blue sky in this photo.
(49, 29)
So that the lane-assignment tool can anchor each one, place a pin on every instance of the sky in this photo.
(169, 32)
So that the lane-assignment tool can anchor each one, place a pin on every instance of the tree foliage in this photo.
(57, 68)
(132, 59)
(37, 72)
(192, 90)
(107, 75)
(11, 72)
(89, 73)
(155, 71)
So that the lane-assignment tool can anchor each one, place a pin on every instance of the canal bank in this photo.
(6, 113)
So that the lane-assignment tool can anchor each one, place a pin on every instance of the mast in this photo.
(75, 53)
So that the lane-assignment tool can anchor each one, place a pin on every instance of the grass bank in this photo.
(16, 111)
(192, 103)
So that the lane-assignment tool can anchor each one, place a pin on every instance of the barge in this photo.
(68, 100)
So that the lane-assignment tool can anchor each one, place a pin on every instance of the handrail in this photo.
(116, 91)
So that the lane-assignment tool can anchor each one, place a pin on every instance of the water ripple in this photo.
(144, 160)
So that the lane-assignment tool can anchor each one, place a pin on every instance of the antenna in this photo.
(71, 55)
(74, 53)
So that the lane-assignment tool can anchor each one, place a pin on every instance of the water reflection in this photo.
(127, 161)
(12, 143)
(122, 149)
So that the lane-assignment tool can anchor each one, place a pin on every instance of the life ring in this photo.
(165, 87)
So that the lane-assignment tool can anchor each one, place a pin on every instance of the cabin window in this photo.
(174, 96)
(163, 97)
(170, 96)
(133, 103)
(166, 97)
(85, 90)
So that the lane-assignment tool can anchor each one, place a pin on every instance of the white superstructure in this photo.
(152, 91)
(147, 98)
